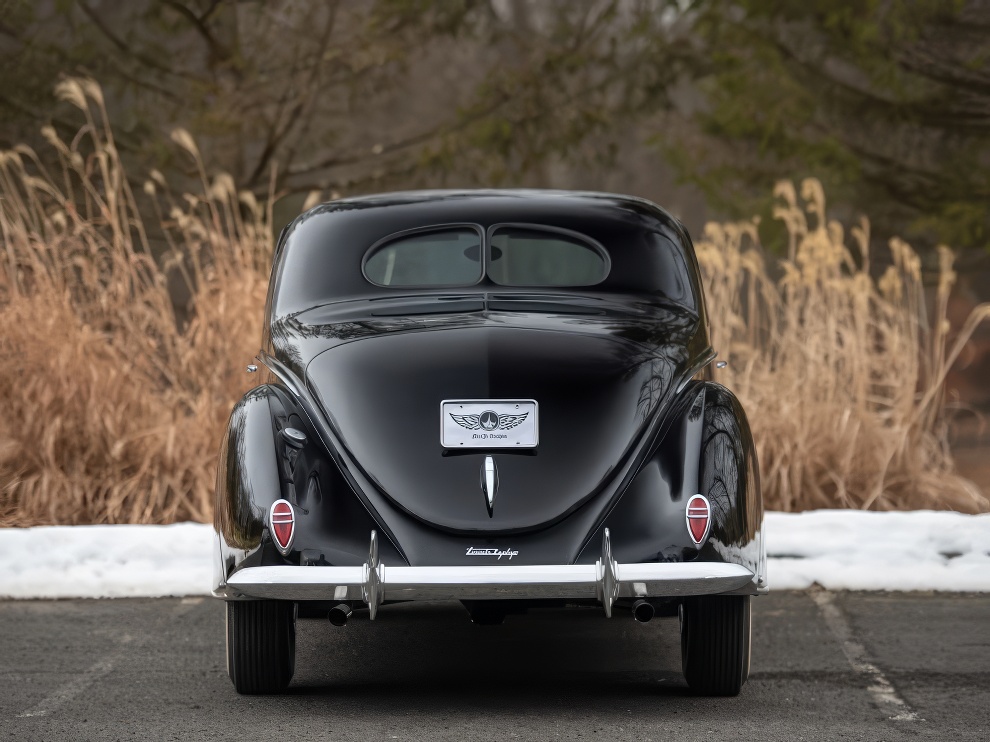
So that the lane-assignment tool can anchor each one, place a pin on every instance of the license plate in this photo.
(489, 423)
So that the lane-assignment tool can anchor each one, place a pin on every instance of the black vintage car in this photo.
(502, 398)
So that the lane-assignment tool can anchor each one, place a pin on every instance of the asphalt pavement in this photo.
(826, 666)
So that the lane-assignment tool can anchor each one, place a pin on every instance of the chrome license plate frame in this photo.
(489, 423)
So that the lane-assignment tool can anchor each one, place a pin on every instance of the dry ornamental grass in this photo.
(841, 375)
(114, 406)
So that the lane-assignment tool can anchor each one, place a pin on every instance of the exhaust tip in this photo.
(643, 611)
(339, 614)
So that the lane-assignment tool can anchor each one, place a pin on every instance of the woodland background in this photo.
(150, 150)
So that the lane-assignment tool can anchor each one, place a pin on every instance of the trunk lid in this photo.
(597, 382)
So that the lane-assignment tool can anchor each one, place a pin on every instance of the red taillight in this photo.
(283, 524)
(699, 515)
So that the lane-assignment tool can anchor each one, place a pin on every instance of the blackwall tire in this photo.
(716, 634)
(261, 645)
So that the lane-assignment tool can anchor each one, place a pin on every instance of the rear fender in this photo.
(646, 523)
(707, 449)
(247, 483)
(729, 476)
(254, 471)
(333, 526)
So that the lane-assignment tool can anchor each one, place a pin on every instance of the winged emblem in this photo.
(507, 422)
(488, 421)
(471, 422)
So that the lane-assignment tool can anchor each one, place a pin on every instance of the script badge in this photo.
(497, 553)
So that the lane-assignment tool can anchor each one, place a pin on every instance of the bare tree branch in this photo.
(122, 46)
(218, 52)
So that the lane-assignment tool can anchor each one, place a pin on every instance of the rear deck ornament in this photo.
(489, 483)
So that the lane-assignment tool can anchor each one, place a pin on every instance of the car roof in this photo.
(320, 253)
(546, 196)
(493, 204)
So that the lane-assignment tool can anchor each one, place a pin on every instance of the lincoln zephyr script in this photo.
(471, 551)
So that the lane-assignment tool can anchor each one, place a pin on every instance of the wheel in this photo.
(261, 645)
(716, 633)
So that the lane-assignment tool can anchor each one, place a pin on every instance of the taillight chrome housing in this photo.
(282, 524)
(699, 518)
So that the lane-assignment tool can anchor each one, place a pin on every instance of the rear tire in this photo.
(261, 645)
(716, 633)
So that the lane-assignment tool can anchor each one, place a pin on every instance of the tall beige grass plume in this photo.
(842, 374)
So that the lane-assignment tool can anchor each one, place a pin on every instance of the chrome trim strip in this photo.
(281, 373)
(703, 361)
(605, 581)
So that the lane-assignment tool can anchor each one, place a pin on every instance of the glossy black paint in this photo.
(625, 435)
(596, 388)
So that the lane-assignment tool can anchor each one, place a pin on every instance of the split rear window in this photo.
(520, 255)
(444, 257)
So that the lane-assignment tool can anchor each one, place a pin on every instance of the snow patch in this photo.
(857, 550)
(838, 549)
(106, 561)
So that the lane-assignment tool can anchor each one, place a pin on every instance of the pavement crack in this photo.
(884, 694)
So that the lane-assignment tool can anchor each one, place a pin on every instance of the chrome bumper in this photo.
(372, 583)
